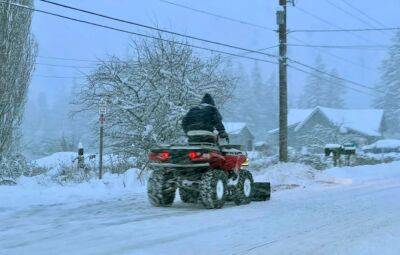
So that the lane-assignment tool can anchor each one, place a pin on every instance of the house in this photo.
(383, 146)
(240, 134)
(261, 146)
(311, 129)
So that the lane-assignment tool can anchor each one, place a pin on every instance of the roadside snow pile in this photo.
(40, 190)
(48, 188)
(361, 174)
(56, 159)
(292, 175)
(287, 175)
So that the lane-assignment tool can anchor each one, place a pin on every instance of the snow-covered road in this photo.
(361, 217)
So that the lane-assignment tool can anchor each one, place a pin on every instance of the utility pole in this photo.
(283, 111)
(102, 112)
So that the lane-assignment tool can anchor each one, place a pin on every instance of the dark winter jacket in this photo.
(204, 117)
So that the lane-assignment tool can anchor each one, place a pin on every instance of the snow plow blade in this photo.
(261, 191)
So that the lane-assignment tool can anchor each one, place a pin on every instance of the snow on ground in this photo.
(353, 210)
(40, 190)
(43, 190)
(56, 159)
(287, 174)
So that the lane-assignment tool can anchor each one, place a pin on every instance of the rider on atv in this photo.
(201, 121)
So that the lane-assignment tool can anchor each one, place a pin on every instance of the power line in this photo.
(153, 28)
(330, 23)
(345, 47)
(175, 42)
(349, 13)
(334, 76)
(320, 50)
(363, 13)
(156, 38)
(218, 16)
(338, 84)
(344, 30)
(106, 61)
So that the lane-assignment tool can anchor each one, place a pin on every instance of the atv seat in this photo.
(201, 136)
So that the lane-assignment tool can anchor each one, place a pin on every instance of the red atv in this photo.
(204, 172)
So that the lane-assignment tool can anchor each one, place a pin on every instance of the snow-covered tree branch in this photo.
(148, 93)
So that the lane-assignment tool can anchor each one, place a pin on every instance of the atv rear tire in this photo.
(213, 189)
(243, 192)
(160, 191)
(188, 195)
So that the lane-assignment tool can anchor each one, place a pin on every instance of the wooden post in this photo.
(101, 146)
(283, 111)
(81, 157)
(102, 112)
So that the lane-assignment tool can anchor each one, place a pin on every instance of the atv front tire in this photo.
(160, 191)
(213, 189)
(243, 192)
(188, 195)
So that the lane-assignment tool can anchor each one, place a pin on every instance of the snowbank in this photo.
(56, 159)
(287, 174)
(361, 174)
(40, 190)
(44, 190)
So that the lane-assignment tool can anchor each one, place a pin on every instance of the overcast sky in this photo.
(67, 39)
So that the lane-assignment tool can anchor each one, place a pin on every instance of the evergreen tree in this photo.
(390, 84)
(314, 93)
(258, 96)
(335, 91)
(271, 102)
(255, 101)
(239, 104)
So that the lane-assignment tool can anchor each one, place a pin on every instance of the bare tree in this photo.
(150, 91)
(17, 60)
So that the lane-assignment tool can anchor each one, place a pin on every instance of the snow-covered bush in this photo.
(70, 172)
(12, 167)
(148, 93)
(118, 165)
(374, 159)
(34, 170)
(317, 161)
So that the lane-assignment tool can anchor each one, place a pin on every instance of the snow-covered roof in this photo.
(383, 144)
(366, 121)
(260, 143)
(333, 146)
(234, 128)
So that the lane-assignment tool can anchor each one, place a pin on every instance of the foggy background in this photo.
(69, 50)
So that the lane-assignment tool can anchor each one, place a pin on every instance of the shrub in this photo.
(12, 167)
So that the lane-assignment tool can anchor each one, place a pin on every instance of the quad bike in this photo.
(203, 172)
